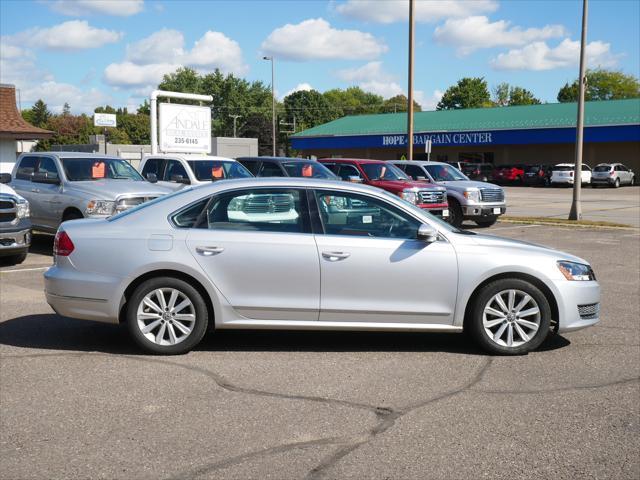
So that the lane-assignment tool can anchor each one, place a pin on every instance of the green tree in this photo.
(27, 115)
(309, 107)
(352, 101)
(144, 108)
(399, 104)
(505, 94)
(469, 92)
(137, 128)
(105, 109)
(602, 84)
(69, 129)
(118, 135)
(40, 114)
(66, 109)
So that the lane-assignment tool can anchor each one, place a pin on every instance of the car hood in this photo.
(466, 184)
(107, 189)
(7, 190)
(399, 185)
(526, 248)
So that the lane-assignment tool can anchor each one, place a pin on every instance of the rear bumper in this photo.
(15, 240)
(603, 181)
(578, 305)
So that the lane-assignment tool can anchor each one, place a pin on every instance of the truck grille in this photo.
(268, 204)
(8, 210)
(589, 311)
(126, 203)
(432, 196)
(492, 194)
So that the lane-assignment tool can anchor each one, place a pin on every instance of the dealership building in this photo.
(519, 134)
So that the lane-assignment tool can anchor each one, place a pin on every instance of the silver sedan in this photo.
(294, 253)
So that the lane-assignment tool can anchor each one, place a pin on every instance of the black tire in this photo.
(455, 212)
(14, 259)
(616, 184)
(72, 215)
(199, 306)
(486, 223)
(479, 334)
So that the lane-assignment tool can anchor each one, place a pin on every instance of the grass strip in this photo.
(563, 222)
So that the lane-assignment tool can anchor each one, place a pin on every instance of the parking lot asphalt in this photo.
(618, 205)
(78, 400)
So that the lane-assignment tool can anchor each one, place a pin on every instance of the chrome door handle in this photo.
(209, 251)
(335, 256)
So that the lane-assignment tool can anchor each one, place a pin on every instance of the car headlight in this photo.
(411, 196)
(101, 207)
(576, 271)
(22, 208)
(472, 195)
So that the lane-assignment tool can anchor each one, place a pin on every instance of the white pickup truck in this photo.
(176, 170)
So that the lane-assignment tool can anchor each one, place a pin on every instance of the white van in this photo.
(174, 170)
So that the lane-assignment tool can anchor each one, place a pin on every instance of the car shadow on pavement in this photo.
(53, 332)
(42, 243)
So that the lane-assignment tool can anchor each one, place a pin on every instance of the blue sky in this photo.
(115, 51)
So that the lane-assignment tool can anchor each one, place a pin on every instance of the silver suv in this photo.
(64, 186)
(612, 174)
(468, 200)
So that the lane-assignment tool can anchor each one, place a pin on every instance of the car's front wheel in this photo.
(167, 316)
(510, 317)
(486, 222)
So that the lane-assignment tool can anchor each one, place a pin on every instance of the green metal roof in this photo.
(551, 115)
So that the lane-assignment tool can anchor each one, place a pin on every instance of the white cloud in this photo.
(162, 52)
(539, 56)
(55, 95)
(472, 33)
(315, 39)
(71, 35)
(390, 11)
(81, 8)
(366, 72)
(301, 87)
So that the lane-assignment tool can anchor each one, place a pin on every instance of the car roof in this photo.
(351, 160)
(188, 156)
(424, 163)
(75, 155)
(276, 159)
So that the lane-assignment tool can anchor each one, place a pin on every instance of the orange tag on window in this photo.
(217, 172)
(97, 171)
(307, 170)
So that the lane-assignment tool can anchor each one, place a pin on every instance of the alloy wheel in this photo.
(511, 318)
(166, 316)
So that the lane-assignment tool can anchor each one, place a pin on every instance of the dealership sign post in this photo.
(105, 120)
(184, 128)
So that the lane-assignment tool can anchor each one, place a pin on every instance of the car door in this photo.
(48, 208)
(415, 172)
(21, 181)
(586, 174)
(256, 246)
(373, 269)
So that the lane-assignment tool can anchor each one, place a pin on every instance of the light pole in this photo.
(576, 206)
(235, 117)
(410, 87)
(273, 107)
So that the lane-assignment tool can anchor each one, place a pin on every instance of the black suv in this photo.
(285, 167)
(478, 171)
(537, 175)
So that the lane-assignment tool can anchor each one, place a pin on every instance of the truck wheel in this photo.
(15, 259)
(455, 212)
(167, 316)
(509, 317)
(486, 223)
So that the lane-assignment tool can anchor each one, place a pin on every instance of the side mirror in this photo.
(5, 177)
(427, 233)
(152, 177)
(46, 177)
(355, 179)
(180, 179)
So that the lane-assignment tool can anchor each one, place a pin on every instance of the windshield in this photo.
(445, 173)
(379, 171)
(83, 169)
(217, 169)
(311, 169)
(602, 168)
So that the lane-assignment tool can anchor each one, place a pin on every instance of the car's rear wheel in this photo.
(167, 316)
(510, 317)
(616, 184)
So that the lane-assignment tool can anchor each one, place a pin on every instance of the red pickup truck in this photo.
(508, 174)
(388, 177)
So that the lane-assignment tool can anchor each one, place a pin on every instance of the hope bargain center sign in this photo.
(184, 128)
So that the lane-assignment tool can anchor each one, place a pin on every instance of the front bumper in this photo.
(578, 305)
(481, 210)
(440, 210)
(15, 240)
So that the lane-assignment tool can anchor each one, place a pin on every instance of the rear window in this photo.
(602, 168)
(533, 169)
(563, 168)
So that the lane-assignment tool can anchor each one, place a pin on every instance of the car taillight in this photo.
(541, 173)
(62, 245)
(571, 173)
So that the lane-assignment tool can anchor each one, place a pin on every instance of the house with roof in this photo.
(14, 128)
(501, 135)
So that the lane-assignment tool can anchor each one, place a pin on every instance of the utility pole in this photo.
(235, 117)
(273, 106)
(410, 88)
(576, 206)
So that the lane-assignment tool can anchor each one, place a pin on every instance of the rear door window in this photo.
(26, 168)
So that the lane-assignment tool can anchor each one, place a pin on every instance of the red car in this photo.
(388, 177)
(508, 173)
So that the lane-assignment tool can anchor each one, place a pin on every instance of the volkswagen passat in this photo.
(341, 257)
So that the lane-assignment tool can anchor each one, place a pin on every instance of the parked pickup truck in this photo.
(15, 224)
(468, 199)
(177, 170)
(63, 186)
(388, 177)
